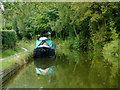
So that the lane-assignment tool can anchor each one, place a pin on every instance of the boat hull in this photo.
(43, 52)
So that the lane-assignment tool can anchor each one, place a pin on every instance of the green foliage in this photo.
(8, 27)
(76, 43)
(111, 48)
(24, 39)
(114, 35)
(9, 39)
(91, 25)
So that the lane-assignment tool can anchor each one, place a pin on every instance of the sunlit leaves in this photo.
(91, 21)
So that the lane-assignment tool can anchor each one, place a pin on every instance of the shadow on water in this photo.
(69, 69)
(44, 66)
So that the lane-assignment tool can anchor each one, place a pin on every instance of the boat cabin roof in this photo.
(46, 42)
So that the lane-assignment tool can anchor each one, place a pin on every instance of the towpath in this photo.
(25, 50)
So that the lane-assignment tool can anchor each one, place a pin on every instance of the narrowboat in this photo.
(44, 48)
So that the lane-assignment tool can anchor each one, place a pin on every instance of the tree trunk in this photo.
(75, 31)
(4, 23)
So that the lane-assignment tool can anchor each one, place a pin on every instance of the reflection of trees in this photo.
(114, 69)
(100, 73)
(72, 70)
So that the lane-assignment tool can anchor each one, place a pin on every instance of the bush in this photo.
(24, 39)
(9, 38)
(111, 48)
(76, 43)
(8, 27)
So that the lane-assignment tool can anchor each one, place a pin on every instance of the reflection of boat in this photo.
(44, 65)
(44, 48)
(44, 71)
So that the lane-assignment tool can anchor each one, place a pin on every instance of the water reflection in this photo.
(71, 69)
(44, 66)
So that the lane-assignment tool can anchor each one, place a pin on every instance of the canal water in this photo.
(69, 69)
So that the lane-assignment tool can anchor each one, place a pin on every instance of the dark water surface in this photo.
(70, 69)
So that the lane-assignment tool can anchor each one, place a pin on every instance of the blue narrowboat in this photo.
(44, 48)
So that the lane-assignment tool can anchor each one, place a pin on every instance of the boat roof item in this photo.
(43, 38)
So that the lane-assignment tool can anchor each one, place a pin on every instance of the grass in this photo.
(29, 45)
(9, 52)
(17, 49)
(19, 59)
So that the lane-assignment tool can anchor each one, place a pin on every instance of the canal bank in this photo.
(10, 70)
(10, 66)
(20, 57)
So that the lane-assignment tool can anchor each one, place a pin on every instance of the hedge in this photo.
(9, 38)
(8, 27)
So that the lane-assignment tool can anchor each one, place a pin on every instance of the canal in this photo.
(69, 69)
